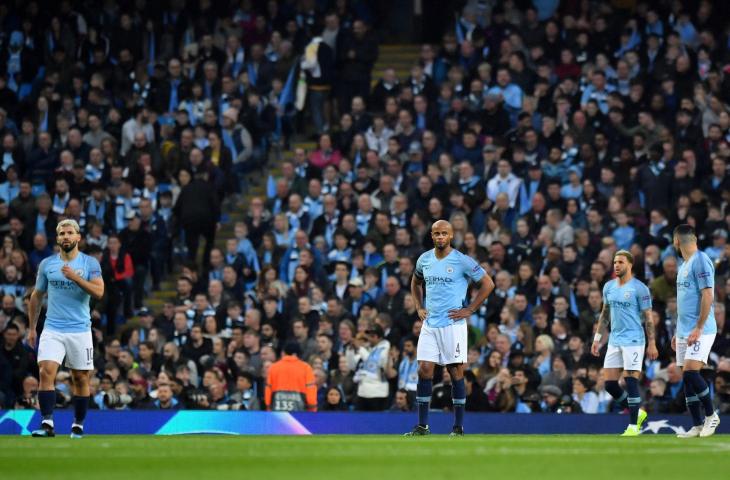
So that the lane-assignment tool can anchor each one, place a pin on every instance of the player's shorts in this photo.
(445, 345)
(699, 351)
(630, 357)
(78, 348)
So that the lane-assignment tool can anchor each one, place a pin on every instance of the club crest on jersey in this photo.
(449, 269)
(686, 274)
(79, 272)
(627, 295)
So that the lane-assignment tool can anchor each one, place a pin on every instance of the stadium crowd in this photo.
(549, 138)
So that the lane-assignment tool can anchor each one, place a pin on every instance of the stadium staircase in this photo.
(400, 57)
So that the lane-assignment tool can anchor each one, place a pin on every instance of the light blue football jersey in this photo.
(693, 276)
(626, 302)
(68, 304)
(447, 281)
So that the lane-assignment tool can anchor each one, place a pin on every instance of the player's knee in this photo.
(79, 377)
(425, 372)
(456, 373)
(47, 371)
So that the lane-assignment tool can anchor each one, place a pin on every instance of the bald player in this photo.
(447, 273)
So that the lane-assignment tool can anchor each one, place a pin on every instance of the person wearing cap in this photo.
(574, 188)
(371, 379)
(626, 301)
(550, 398)
(414, 165)
(146, 322)
(357, 297)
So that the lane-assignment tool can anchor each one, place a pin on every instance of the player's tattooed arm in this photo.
(604, 319)
(651, 351)
(649, 326)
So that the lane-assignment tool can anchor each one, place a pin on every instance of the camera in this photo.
(113, 399)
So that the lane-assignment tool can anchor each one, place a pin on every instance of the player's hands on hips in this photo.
(69, 273)
(595, 347)
(694, 336)
(31, 338)
(460, 314)
(422, 314)
(652, 352)
(674, 343)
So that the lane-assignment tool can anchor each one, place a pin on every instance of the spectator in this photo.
(372, 391)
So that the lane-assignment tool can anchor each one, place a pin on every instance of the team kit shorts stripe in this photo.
(630, 357)
(699, 351)
(444, 346)
(77, 348)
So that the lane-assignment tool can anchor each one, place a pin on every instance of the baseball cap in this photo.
(551, 390)
(377, 330)
(517, 349)
(143, 312)
(489, 148)
(414, 147)
(166, 120)
(232, 114)
(369, 304)
(356, 282)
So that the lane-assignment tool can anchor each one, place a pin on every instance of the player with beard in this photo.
(447, 273)
(69, 278)
(626, 301)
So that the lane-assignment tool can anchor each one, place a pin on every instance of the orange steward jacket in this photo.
(293, 376)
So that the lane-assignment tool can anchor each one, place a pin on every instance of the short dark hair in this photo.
(292, 348)
(684, 229)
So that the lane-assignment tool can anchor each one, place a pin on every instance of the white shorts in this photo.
(445, 345)
(630, 357)
(699, 351)
(78, 348)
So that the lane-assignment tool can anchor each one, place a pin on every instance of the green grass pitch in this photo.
(371, 457)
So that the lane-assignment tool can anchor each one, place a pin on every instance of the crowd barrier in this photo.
(141, 422)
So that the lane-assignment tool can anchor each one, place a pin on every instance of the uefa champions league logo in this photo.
(656, 426)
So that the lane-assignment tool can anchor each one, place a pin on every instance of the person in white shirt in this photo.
(504, 181)
(137, 124)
